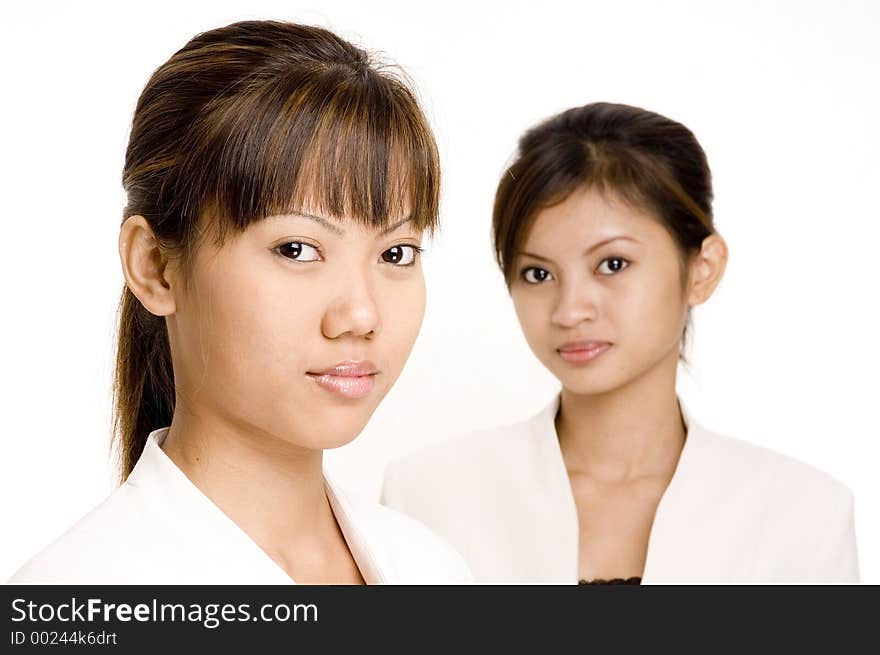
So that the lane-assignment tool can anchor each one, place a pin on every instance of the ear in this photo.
(145, 267)
(706, 269)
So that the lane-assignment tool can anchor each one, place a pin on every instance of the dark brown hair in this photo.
(247, 121)
(646, 159)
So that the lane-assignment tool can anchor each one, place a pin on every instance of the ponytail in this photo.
(143, 384)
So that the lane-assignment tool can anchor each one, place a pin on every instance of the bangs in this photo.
(551, 171)
(348, 144)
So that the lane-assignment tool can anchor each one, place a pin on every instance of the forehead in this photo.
(590, 215)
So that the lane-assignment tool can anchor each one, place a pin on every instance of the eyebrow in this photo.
(595, 246)
(321, 221)
(391, 228)
(339, 231)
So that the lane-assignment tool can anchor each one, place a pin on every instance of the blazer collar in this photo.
(219, 546)
(671, 513)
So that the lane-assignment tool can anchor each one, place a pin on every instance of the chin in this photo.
(324, 440)
(329, 442)
(590, 381)
(606, 377)
(592, 387)
(333, 427)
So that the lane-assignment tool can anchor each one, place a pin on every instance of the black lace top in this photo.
(633, 580)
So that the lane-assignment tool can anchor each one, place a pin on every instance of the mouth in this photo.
(581, 352)
(348, 379)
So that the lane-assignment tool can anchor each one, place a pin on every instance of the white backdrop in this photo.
(783, 96)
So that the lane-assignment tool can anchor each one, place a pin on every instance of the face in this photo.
(298, 327)
(599, 293)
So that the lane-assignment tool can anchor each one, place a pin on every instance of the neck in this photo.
(629, 432)
(271, 489)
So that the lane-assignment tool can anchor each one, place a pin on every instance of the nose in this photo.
(575, 303)
(353, 310)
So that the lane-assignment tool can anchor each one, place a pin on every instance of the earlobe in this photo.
(145, 266)
(707, 269)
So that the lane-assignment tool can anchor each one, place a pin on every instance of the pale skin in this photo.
(596, 268)
(247, 321)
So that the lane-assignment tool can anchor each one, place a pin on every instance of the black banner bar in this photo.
(416, 618)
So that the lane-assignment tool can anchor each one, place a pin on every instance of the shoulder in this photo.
(98, 548)
(779, 475)
(475, 453)
(409, 551)
(776, 498)
(477, 474)
(796, 521)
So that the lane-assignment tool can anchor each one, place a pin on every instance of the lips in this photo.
(580, 352)
(348, 379)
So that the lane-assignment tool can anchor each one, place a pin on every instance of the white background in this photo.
(783, 97)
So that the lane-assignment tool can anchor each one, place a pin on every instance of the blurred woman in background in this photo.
(604, 231)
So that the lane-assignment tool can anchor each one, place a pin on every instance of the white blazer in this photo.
(158, 528)
(732, 513)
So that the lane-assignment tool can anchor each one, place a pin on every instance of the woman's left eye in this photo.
(298, 251)
(612, 265)
(402, 255)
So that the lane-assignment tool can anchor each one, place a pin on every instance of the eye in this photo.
(298, 251)
(535, 275)
(612, 265)
(402, 255)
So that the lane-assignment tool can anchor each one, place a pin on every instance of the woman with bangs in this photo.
(279, 185)
(604, 232)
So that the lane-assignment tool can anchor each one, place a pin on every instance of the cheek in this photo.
(652, 310)
(533, 312)
(250, 328)
(255, 316)
(402, 309)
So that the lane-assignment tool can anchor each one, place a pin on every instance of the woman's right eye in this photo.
(298, 251)
(535, 275)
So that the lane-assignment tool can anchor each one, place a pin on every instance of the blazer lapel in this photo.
(361, 544)
(197, 542)
(696, 537)
(553, 524)
(686, 542)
